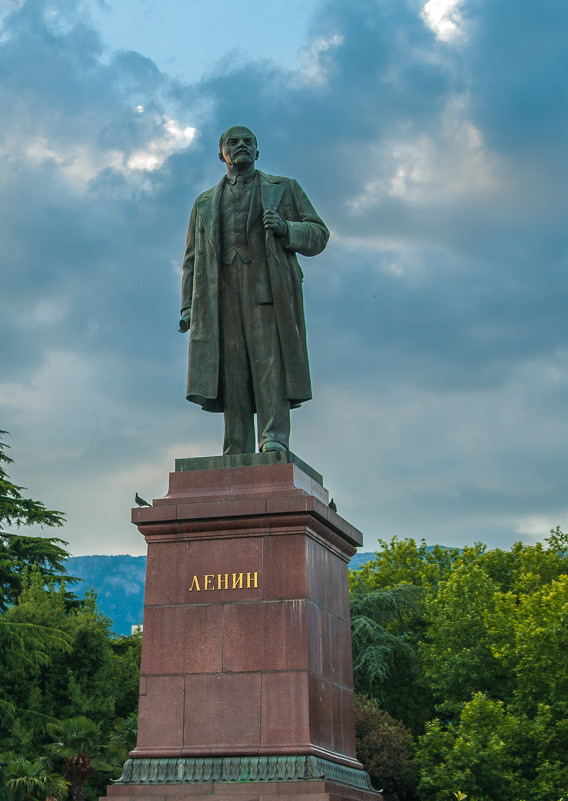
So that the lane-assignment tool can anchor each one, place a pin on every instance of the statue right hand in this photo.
(184, 324)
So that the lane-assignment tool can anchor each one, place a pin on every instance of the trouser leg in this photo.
(272, 405)
(235, 368)
(252, 370)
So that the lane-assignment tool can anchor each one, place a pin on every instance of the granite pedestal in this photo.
(246, 679)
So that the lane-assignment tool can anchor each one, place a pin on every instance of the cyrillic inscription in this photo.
(224, 581)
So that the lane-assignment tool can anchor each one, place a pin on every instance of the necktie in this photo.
(239, 186)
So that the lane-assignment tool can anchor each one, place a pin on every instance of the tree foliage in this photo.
(18, 552)
(378, 631)
(486, 695)
(84, 668)
(15, 510)
(60, 663)
(77, 668)
(384, 745)
(33, 780)
(492, 752)
(80, 743)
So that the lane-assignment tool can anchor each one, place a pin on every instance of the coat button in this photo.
(198, 275)
(196, 297)
(199, 252)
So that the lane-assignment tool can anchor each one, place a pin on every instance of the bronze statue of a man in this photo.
(242, 297)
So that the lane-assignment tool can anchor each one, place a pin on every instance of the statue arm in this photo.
(308, 234)
(187, 273)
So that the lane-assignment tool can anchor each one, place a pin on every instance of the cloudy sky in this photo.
(430, 136)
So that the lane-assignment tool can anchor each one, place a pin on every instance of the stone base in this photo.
(246, 680)
(242, 779)
(246, 647)
(317, 790)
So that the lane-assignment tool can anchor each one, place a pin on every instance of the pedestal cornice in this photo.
(228, 499)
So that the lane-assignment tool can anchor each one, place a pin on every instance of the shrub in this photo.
(384, 746)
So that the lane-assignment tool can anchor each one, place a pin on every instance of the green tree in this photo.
(126, 654)
(473, 755)
(378, 623)
(33, 781)
(530, 640)
(58, 656)
(492, 754)
(96, 675)
(24, 644)
(525, 567)
(557, 542)
(122, 738)
(17, 552)
(81, 744)
(488, 641)
(386, 641)
(456, 652)
(384, 625)
(384, 746)
(404, 562)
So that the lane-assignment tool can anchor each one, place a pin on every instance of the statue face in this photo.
(238, 147)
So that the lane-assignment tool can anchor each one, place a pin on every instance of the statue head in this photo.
(238, 146)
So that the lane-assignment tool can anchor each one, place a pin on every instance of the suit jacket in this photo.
(307, 234)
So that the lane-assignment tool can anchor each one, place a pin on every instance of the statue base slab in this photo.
(317, 790)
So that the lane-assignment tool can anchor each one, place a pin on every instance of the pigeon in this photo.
(140, 501)
(332, 505)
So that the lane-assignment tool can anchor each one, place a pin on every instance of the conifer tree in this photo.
(19, 552)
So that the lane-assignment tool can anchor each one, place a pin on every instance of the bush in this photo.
(384, 746)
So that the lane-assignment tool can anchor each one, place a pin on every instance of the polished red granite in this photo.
(243, 791)
(246, 645)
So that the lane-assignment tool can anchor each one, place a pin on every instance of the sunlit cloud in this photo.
(173, 139)
(450, 165)
(315, 62)
(443, 17)
(80, 162)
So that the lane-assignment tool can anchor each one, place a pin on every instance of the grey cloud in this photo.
(435, 317)
(517, 72)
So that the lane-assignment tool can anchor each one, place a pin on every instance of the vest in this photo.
(234, 215)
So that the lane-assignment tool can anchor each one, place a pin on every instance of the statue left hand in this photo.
(274, 222)
(184, 323)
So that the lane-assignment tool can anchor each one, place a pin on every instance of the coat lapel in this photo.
(256, 202)
(209, 210)
(271, 191)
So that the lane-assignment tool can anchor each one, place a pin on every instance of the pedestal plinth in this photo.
(246, 675)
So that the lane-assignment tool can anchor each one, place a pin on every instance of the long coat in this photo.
(307, 234)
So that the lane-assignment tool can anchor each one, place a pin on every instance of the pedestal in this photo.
(246, 677)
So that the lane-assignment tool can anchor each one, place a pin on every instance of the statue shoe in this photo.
(273, 445)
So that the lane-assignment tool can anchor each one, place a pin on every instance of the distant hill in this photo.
(359, 560)
(119, 584)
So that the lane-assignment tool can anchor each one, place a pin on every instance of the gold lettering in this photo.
(222, 581)
(237, 581)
